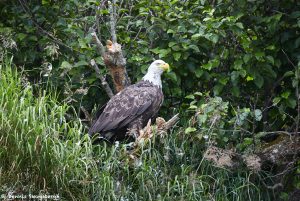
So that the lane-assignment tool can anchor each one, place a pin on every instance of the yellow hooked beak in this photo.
(165, 67)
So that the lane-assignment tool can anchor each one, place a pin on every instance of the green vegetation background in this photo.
(246, 52)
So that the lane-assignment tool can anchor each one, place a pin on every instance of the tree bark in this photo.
(112, 55)
(116, 64)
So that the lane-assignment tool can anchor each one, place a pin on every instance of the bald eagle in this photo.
(128, 111)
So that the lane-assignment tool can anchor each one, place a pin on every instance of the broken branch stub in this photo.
(116, 64)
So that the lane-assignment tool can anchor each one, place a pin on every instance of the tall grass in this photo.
(43, 153)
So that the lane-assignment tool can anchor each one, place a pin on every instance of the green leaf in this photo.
(192, 107)
(198, 93)
(162, 52)
(176, 56)
(259, 81)
(196, 36)
(249, 78)
(225, 139)
(81, 63)
(235, 75)
(191, 96)
(172, 76)
(45, 2)
(207, 66)
(288, 74)
(212, 37)
(65, 65)
(295, 14)
(198, 72)
(194, 47)
(271, 47)
(257, 114)
(238, 64)
(259, 55)
(240, 25)
(247, 141)
(247, 58)
(270, 59)
(218, 89)
(189, 130)
(291, 102)
(82, 43)
(236, 91)
(286, 94)
(171, 44)
(21, 36)
(170, 31)
(176, 48)
(276, 100)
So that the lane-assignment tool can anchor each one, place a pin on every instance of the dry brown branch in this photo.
(161, 128)
(146, 135)
(169, 124)
(104, 83)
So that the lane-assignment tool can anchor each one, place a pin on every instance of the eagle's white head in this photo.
(155, 70)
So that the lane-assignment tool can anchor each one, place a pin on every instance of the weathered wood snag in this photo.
(112, 54)
(116, 64)
(280, 157)
(283, 152)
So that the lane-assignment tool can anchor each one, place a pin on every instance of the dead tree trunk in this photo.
(116, 64)
(112, 54)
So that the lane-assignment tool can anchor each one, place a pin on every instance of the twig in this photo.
(49, 35)
(297, 90)
(104, 83)
(98, 43)
(98, 17)
(112, 12)
(169, 124)
(97, 22)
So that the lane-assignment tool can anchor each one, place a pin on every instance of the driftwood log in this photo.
(279, 156)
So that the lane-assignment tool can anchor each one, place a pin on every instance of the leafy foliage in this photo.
(243, 56)
(245, 51)
(43, 153)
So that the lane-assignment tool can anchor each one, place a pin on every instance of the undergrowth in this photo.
(43, 153)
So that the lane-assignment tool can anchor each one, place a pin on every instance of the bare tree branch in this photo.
(104, 83)
(98, 43)
(297, 93)
(41, 29)
(169, 124)
(112, 54)
(97, 22)
(113, 16)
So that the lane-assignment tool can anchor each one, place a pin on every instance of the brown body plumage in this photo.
(131, 108)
